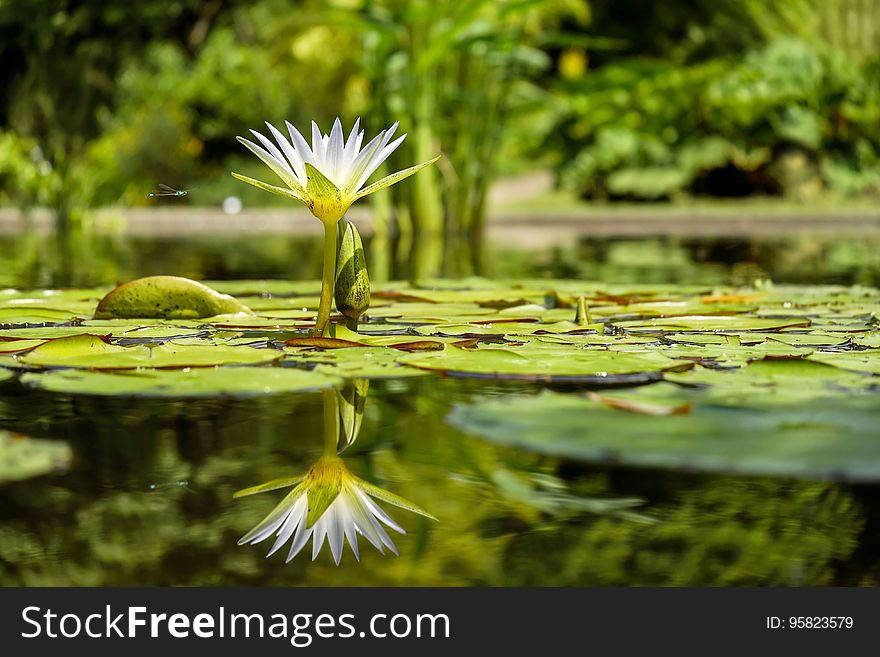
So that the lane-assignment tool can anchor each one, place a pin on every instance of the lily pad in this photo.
(18, 346)
(95, 352)
(712, 323)
(825, 439)
(547, 364)
(859, 361)
(195, 382)
(26, 316)
(167, 297)
(356, 362)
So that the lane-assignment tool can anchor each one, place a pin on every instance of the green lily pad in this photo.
(583, 339)
(500, 329)
(94, 352)
(774, 382)
(274, 288)
(355, 362)
(22, 316)
(51, 332)
(166, 297)
(825, 439)
(713, 323)
(195, 382)
(270, 304)
(859, 361)
(349, 338)
(547, 364)
(17, 346)
(732, 354)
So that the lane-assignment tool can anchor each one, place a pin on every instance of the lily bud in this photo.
(352, 290)
(351, 399)
(583, 316)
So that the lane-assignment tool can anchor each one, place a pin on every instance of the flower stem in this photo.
(328, 280)
(331, 422)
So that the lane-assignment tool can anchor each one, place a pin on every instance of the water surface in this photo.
(148, 497)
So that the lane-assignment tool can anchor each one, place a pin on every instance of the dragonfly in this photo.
(182, 483)
(165, 190)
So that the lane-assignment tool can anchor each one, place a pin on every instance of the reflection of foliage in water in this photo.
(802, 259)
(725, 532)
(27, 261)
(100, 524)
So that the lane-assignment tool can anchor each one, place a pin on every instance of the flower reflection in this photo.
(333, 504)
(329, 502)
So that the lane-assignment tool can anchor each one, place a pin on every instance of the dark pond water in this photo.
(148, 497)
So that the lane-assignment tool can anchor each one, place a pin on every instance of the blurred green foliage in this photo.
(627, 99)
(751, 97)
(26, 177)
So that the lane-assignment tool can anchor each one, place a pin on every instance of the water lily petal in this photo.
(349, 152)
(294, 519)
(362, 161)
(364, 523)
(282, 171)
(368, 169)
(272, 149)
(379, 159)
(318, 146)
(300, 144)
(319, 531)
(334, 151)
(375, 526)
(379, 513)
(335, 534)
(299, 540)
(349, 524)
(290, 152)
(272, 522)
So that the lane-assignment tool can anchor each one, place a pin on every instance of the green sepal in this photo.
(275, 484)
(391, 498)
(323, 196)
(280, 191)
(352, 398)
(389, 180)
(320, 498)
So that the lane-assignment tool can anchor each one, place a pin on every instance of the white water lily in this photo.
(328, 503)
(329, 175)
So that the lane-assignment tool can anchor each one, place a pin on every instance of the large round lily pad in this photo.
(830, 438)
